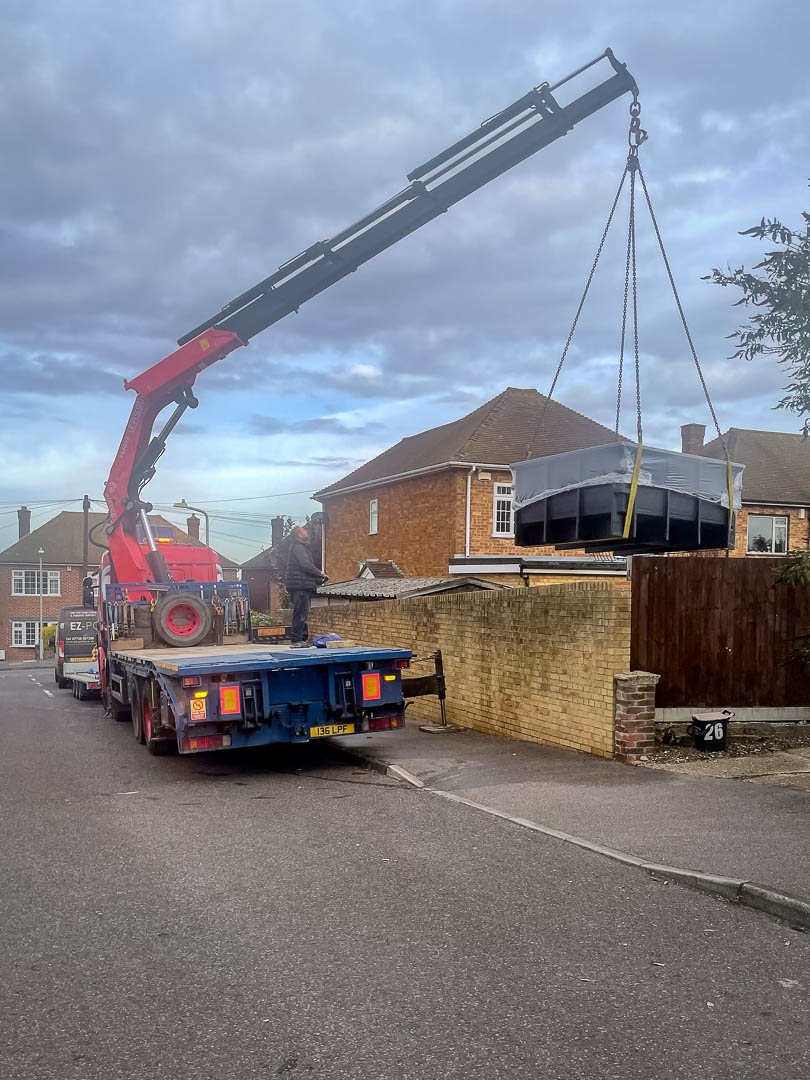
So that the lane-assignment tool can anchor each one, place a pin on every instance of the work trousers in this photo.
(300, 604)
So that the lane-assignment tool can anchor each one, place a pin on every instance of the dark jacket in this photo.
(301, 573)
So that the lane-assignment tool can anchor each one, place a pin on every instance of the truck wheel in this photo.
(63, 684)
(183, 619)
(136, 708)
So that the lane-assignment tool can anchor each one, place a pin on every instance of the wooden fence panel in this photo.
(719, 632)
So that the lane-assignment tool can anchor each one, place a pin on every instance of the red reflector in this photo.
(383, 723)
(191, 680)
(207, 742)
(403, 663)
(371, 686)
(229, 704)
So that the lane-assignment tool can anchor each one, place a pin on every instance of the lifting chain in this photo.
(636, 137)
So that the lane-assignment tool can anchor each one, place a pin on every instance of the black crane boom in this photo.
(506, 139)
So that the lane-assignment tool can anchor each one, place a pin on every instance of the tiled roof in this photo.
(512, 426)
(399, 588)
(61, 539)
(382, 568)
(777, 465)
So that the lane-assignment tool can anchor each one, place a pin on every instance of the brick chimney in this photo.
(24, 519)
(193, 527)
(276, 531)
(692, 436)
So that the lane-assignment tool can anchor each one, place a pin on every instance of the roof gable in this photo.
(516, 424)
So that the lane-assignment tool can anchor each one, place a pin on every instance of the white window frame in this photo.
(27, 583)
(373, 516)
(784, 523)
(20, 630)
(502, 495)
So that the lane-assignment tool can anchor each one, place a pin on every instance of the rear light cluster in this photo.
(191, 680)
(207, 742)
(383, 723)
(403, 663)
(61, 650)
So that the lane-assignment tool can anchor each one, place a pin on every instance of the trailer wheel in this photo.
(116, 710)
(81, 692)
(183, 619)
(136, 707)
(155, 746)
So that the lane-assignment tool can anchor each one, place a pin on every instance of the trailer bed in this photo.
(219, 658)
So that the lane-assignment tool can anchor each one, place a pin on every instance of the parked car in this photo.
(75, 643)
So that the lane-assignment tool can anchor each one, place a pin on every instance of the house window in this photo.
(26, 583)
(502, 511)
(26, 634)
(767, 535)
(372, 517)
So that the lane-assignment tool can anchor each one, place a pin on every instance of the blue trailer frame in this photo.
(226, 696)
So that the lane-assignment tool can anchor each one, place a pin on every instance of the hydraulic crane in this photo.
(515, 133)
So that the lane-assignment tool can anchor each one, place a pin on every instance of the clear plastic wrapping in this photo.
(613, 463)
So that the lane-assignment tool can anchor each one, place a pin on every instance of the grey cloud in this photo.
(317, 425)
(136, 198)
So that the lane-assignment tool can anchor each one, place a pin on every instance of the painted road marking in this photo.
(46, 691)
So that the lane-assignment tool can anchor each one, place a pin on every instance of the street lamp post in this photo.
(183, 505)
(41, 552)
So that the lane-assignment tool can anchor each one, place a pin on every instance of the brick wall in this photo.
(797, 527)
(482, 542)
(421, 524)
(798, 532)
(534, 664)
(24, 608)
(417, 526)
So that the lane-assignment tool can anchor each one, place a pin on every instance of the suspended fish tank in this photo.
(629, 500)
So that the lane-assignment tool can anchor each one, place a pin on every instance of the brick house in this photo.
(438, 500)
(61, 540)
(776, 486)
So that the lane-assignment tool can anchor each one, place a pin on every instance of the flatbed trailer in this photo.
(212, 697)
(85, 683)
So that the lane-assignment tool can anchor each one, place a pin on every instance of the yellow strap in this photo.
(730, 500)
(631, 502)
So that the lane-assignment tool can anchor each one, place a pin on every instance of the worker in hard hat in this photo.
(301, 579)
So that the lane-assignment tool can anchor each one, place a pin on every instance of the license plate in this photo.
(331, 729)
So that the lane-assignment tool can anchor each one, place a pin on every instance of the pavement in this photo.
(709, 825)
(281, 914)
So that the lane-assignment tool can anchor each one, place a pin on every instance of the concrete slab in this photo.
(754, 765)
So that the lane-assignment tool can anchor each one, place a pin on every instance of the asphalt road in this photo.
(224, 917)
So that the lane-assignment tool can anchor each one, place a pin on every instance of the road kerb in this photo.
(791, 909)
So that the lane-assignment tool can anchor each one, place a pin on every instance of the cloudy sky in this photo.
(159, 158)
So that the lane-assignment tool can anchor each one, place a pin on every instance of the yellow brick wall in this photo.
(534, 664)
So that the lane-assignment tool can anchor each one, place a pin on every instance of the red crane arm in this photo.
(504, 140)
(170, 380)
